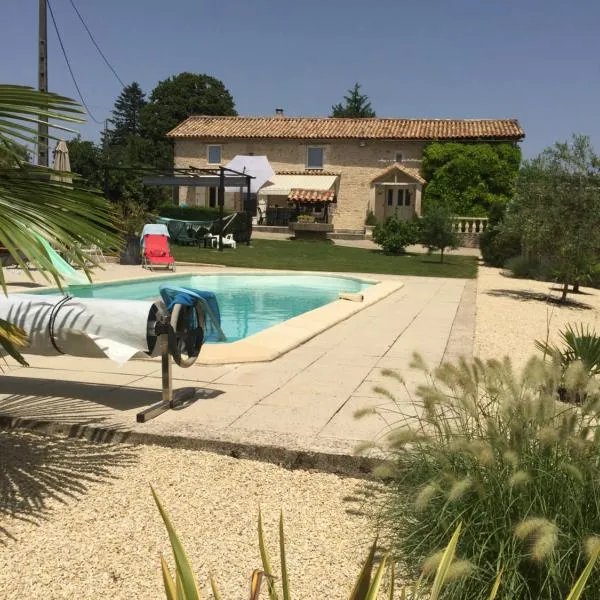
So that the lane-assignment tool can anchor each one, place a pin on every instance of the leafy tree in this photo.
(435, 230)
(175, 99)
(470, 179)
(126, 114)
(557, 209)
(86, 160)
(34, 206)
(355, 105)
(395, 234)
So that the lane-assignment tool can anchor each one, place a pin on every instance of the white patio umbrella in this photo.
(257, 166)
(61, 161)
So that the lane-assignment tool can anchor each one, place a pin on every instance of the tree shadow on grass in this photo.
(38, 470)
(528, 296)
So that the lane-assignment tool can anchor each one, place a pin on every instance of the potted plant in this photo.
(370, 223)
(306, 227)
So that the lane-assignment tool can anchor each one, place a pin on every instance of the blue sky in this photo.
(536, 60)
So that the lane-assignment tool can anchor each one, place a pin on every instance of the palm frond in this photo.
(21, 105)
(34, 202)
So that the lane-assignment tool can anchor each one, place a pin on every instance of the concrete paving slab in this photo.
(346, 426)
(298, 398)
(304, 420)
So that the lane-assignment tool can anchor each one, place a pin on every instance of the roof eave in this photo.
(508, 138)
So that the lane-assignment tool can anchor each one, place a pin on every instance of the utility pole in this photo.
(42, 145)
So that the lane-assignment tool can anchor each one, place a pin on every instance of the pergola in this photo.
(219, 177)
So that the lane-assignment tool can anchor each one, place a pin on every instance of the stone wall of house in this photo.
(356, 162)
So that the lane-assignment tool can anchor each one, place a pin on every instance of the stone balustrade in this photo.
(469, 229)
(470, 224)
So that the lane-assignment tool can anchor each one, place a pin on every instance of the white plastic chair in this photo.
(229, 241)
(94, 254)
(212, 239)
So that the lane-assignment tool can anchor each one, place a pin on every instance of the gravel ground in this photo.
(77, 520)
(513, 313)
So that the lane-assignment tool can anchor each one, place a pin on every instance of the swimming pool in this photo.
(248, 303)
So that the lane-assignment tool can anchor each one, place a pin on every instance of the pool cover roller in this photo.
(117, 329)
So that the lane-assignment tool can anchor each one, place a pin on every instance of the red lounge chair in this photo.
(156, 252)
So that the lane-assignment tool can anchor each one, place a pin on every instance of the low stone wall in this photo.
(468, 240)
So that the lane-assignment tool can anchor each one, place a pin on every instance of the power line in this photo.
(95, 44)
(62, 47)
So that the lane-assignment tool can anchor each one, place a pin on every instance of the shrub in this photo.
(497, 452)
(436, 231)
(526, 268)
(394, 235)
(191, 213)
(470, 178)
(498, 245)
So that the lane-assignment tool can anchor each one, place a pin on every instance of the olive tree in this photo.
(557, 210)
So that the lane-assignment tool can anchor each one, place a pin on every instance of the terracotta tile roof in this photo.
(326, 128)
(310, 172)
(410, 171)
(312, 195)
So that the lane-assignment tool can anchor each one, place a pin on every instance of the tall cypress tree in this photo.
(125, 119)
(355, 105)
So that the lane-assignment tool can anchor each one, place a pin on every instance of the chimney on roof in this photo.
(279, 112)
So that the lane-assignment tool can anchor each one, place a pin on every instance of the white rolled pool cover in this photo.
(87, 327)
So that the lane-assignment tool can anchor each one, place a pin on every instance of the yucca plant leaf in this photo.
(376, 583)
(170, 589)
(285, 584)
(496, 586)
(255, 584)
(444, 566)
(180, 594)
(11, 338)
(361, 587)
(185, 574)
(579, 587)
(393, 581)
(215, 588)
(580, 343)
(266, 561)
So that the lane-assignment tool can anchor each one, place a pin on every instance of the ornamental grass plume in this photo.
(496, 450)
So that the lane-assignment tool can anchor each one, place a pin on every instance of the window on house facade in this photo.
(398, 157)
(213, 154)
(315, 157)
(390, 197)
(403, 197)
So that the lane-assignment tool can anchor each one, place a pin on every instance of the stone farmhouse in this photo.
(340, 168)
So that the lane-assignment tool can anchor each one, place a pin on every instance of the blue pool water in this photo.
(248, 303)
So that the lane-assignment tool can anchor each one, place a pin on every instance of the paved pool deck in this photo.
(297, 409)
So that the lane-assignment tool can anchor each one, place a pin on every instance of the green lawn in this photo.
(325, 256)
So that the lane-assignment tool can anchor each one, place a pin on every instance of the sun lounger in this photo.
(156, 252)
